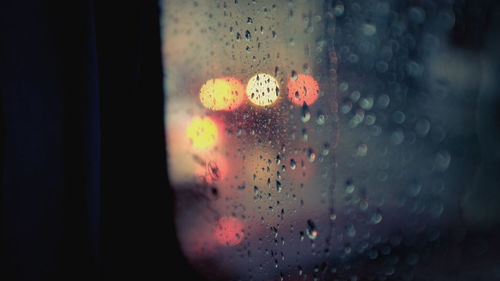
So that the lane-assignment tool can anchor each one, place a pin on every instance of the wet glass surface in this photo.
(330, 140)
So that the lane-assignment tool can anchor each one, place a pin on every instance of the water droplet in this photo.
(398, 117)
(278, 186)
(305, 136)
(346, 106)
(370, 119)
(355, 95)
(357, 118)
(366, 103)
(376, 217)
(248, 36)
(350, 230)
(344, 86)
(305, 68)
(306, 113)
(321, 119)
(383, 101)
(213, 170)
(350, 188)
(311, 155)
(422, 127)
(353, 58)
(278, 159)
(362, 150)
(326, 149)
(338, 10)
(397, 137)
(376, 130)
(311, 231)
(369, 29)
(347, 249)
(442, 160)
(363, 205)
(414, 68)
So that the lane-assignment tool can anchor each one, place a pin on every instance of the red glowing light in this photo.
(229, 231)
(302, 90)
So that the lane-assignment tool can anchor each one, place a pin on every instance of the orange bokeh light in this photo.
(202, 132)
(225, 93)
(229, 231)
(303, 89)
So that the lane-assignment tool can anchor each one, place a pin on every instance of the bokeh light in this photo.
(303, 89)
(202, 132)
(262, 89)
(225, 93)
(229, 231)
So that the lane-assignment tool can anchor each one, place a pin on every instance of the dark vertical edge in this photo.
(94, 192)
(76, 62)
(135, 218)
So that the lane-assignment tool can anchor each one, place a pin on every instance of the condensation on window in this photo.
(315, 140)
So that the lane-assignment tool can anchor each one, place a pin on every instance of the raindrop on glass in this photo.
(311, 155)
(376, 217)
(305, 113)
(311, 231)
(248, 36)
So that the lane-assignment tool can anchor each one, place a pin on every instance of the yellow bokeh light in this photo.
(202, 132)
(225, 93)
(262, 89)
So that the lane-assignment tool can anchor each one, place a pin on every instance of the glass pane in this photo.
(252, 124)
(319, 140)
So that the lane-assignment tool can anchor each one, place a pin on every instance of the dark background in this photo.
(83, 186)
(84, 190)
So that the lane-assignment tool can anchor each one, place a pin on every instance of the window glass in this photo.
(314, 140)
